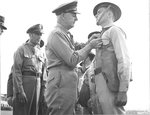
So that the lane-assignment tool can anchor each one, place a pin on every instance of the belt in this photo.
(97, 70)
(31, 73)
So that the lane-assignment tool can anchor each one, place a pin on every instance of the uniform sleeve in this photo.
(10, 86)
(62, 49)
(120, 47)
(17, 73)
(44, 75)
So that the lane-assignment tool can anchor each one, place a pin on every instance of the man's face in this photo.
(101, 16)
(35, 38)
(70, 18)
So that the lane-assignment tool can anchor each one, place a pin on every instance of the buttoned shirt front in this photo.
(26, 59)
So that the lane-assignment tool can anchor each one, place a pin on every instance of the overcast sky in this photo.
(21, 14)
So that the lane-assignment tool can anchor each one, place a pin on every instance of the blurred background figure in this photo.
(2, 27)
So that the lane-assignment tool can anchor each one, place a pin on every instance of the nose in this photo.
(75, 18)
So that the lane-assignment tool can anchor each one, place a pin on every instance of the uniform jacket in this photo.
(113, 58)
(27, 58)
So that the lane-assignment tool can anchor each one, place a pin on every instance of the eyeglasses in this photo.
(73, 14)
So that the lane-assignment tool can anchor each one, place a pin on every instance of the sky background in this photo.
(22, 14)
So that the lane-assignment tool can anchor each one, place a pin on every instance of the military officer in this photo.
(28, 80)
(61, 88)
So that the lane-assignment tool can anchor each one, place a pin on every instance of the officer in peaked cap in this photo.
(36, 29)
(29, 95)
(62, 56)
(66, 7)
(113, 7)
(2, 27)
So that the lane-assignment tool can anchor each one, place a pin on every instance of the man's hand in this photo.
(94, 36)
(22, 97)
(10, 101)
(95, 43)
(121, 99)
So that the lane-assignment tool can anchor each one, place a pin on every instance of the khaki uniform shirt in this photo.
(26, 58)
(60, 49)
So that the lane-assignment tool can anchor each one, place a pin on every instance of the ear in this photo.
(110, 14)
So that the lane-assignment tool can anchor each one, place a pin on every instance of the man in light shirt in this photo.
(112, 62)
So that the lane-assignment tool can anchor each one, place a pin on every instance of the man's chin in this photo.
(97, 23)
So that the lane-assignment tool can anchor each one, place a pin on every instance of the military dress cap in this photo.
(2, 19)
(113, 7)
(66, 7)
(95, 32)
(38, 29)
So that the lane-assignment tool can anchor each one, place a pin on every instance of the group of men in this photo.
(47, 83)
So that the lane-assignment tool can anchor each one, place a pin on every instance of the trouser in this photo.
(106, 97)
(31, 86)
(61, 91)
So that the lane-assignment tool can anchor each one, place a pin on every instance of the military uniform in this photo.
(112, 64)
(61, 87)
(28, 78)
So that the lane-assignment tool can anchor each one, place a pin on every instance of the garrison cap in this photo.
(2, 20)
(38, 28)
(95, 32)
(113, 7)
(66, 7)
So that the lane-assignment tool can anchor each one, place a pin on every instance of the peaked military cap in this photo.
(38, 28)
(2, 19)
(113, 7)
(66, 7)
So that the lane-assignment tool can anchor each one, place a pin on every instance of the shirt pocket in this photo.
(105, 41)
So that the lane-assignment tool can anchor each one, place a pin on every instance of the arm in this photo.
(68, 55)
(17, 73)
(121, 51)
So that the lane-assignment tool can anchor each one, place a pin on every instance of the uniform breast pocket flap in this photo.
(28, 55)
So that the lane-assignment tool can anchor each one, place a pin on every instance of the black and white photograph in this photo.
(74, 57)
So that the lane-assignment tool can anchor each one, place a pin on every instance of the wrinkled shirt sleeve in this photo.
(63, 50)
(120, 47)
(17, 79)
